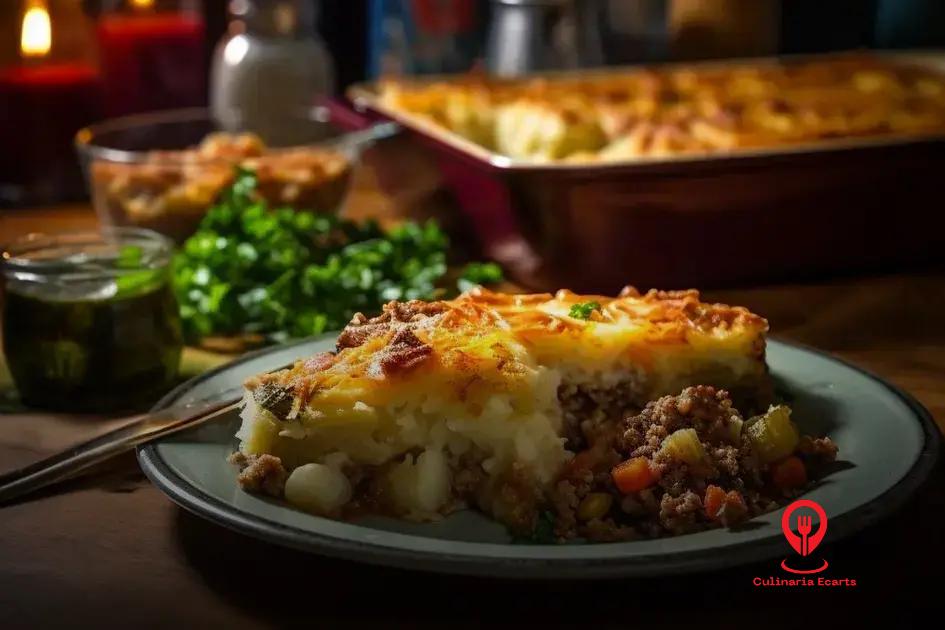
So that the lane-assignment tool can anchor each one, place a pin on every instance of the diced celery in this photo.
(684, 445)
(773, 436)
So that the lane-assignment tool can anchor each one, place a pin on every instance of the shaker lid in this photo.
(546, 3)
(274, 17)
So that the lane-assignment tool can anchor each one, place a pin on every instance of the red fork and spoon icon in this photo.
(804, 528)
(804, 543)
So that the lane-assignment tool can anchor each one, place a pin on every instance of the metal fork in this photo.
(804, 528)
(138, 430)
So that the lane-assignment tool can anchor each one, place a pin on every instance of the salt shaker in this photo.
(269, 68)
(535, 35)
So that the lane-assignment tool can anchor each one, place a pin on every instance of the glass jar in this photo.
(152, 55)
(90, 322)
(269, 68)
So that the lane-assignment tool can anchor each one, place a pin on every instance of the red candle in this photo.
(41, 108)
(152, 61)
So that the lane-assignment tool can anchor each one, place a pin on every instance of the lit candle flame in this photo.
(142, 4)
(36, 36)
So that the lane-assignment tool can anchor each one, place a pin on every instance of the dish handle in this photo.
(346, 114)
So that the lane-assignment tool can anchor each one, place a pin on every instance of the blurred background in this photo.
(235, 153)
(68, 63)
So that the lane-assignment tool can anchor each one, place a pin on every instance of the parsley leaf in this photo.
(544, 532)
(583, 310)
(477, 274)
(129, 257)
(287, 273)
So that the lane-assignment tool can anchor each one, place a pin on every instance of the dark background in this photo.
(807, 26)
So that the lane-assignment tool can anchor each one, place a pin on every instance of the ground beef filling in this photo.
(604, 432)
(729, 486)
(263, 474)
(592, 414)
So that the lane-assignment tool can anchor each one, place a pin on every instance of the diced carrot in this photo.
(714, 498)
(633, 475)
(727, 507)
(789, 473)
(734, 510)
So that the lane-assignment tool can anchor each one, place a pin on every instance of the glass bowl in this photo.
(163, 170)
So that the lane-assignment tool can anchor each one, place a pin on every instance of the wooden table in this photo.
(110, 549)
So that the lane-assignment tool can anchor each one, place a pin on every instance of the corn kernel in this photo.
(594, 505)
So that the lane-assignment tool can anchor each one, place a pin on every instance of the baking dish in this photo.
(710, 220)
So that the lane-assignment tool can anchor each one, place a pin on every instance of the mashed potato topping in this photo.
(432, 406)
(642, 113)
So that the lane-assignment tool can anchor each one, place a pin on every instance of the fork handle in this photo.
(138, 430)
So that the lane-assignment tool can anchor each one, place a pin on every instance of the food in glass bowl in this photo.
(163, 171)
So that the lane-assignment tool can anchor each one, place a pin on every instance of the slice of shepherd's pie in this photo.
(485, 399)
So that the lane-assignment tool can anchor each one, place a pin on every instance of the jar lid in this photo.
(68, 260)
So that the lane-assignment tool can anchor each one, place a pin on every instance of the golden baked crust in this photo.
(678, 111)
(485, 339)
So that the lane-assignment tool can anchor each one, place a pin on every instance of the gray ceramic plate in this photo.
(887, 439)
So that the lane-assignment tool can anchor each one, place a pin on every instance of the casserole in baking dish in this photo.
(686, 213)
(680, 110)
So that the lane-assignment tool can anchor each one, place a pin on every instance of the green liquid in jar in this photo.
(117, 348)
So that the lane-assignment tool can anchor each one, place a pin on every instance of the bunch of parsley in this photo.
(287, 273)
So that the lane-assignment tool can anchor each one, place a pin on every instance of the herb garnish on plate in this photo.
(583, 310)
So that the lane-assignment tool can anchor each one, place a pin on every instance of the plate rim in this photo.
(198, 502)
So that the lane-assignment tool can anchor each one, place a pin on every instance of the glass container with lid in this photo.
(90, 322)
